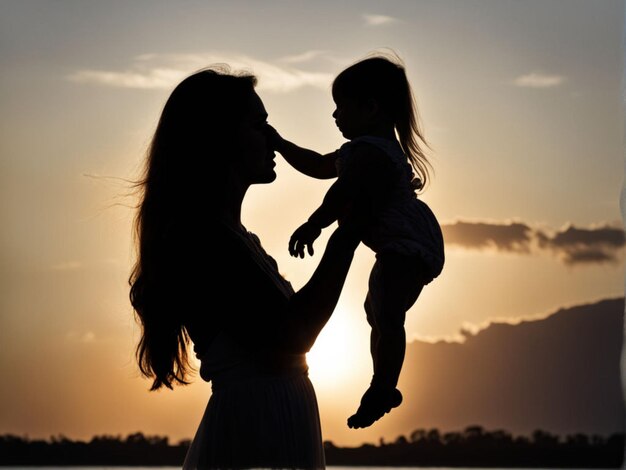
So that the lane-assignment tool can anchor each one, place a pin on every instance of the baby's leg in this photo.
(395, 284)
(400, 282)
(374, 335)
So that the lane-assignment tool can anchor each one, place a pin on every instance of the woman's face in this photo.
(254, 154)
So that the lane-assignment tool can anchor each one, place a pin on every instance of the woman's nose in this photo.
(335, 114)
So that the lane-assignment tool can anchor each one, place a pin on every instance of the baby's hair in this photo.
(382, 77)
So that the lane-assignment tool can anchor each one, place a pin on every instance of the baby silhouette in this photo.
(375, 175)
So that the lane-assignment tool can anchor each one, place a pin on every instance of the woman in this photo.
(202, 277)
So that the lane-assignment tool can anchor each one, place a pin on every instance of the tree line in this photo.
(136, 449)
(477, 447)
(472, 447)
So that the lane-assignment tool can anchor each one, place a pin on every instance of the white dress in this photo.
(260, 414)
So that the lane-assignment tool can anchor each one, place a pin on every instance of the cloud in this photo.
(148, 79)
(87, 337)
(515, 237)
(301, 58)
(538, 80)
(585, 245)
(67, 266)
(164, 71)
(571, 245)
(378, 20)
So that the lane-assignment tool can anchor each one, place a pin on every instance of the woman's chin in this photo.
(347, 135)
(267, 177)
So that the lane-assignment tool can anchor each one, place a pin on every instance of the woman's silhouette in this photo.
(201, 276)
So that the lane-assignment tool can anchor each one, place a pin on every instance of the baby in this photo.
(375, 111)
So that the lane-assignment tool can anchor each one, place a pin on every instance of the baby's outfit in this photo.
(402, 223)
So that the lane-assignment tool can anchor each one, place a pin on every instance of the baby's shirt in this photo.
(391, 179)
(390, 147)
(364, 177)
(379, 185)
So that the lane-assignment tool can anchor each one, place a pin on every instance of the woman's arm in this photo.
(311, 307)
(245, 302)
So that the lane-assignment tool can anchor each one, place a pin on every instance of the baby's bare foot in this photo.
(374, 404)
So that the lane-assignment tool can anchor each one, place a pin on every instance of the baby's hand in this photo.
(274, 138)
(304, 235)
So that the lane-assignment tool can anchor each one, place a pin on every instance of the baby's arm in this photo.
(363, 180)
(354, 192)
(335, 203)
(304, 160)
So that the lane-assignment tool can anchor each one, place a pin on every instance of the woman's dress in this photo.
(263, 410)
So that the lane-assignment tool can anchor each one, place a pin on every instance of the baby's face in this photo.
(351, 117)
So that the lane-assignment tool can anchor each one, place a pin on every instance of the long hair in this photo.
(183, 169)
(383, 78)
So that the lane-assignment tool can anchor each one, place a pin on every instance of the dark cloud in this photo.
(572, 245)
(587, 256)
(480, 235)
(586, 245)
(602, 236)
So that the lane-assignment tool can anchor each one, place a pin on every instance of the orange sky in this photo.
(520, 101)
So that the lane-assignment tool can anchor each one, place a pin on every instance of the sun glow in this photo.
(340, 353)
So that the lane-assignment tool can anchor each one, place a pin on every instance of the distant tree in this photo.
(184, 443)
(499, 436)
(418, 435)
(106, 439)
(544, 438)
(433, 436)
(597, 440)
(401, 441)
(135, 438)
(473, 432)
(329, 445)
(581, 440)
(452, 438)
(60, 439)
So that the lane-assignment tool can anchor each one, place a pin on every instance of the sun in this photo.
(340, 353)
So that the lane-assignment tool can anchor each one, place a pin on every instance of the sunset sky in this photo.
(520, 101)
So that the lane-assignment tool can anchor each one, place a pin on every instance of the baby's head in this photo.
(375, 89)
(375, 92)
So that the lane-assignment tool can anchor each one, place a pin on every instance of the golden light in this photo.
(340, 354)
